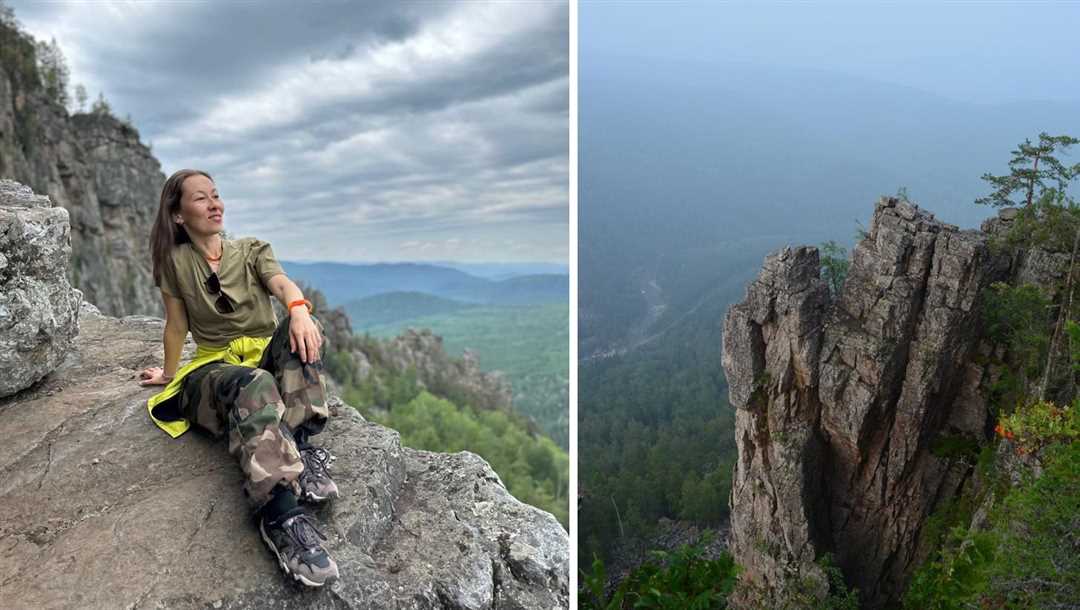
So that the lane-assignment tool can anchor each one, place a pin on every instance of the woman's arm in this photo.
(304, 337)
(176, 330)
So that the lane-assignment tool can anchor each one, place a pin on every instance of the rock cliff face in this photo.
(96, 168)
(839, 401)
(102, 509)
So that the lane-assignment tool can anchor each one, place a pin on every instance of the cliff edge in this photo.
(841, 398)
(101, 509)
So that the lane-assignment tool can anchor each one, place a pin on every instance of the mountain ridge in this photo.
(344, 282)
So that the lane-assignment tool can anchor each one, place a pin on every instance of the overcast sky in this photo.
(349, 131)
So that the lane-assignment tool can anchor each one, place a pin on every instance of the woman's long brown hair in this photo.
(166, 234)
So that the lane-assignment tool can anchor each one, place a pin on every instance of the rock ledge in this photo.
(101, 509)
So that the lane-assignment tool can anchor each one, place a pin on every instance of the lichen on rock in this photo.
(39, 310)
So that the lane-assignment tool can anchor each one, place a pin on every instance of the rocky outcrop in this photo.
(669, 537)
(39, 311)
(840, 401)
(101, 509)
(95, 167)
(422, 351)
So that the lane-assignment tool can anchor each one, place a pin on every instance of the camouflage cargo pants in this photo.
(260, 409)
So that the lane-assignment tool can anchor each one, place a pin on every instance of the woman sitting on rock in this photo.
(255, 379)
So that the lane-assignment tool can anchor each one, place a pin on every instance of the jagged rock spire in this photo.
(839, 402)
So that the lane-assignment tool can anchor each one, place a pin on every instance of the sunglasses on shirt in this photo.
(213, 286)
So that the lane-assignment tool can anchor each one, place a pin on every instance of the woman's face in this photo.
(201, 209)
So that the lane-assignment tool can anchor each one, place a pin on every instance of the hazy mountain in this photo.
(347, 282)
(502, 271)
(691, 171)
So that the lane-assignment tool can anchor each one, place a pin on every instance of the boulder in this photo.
(39, 310)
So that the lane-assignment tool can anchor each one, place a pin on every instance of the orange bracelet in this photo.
(310, 307)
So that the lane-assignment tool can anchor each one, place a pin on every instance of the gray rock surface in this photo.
(39, 311)
(95, 167)
(102, 509)
(840, 402)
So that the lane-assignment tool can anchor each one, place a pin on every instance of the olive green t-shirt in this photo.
(247, 264)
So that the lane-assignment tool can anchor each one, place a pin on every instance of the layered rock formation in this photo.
(840, 401)
(101, 509)
(95, 167)
(38, 308)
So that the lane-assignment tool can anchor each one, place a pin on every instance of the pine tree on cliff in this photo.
(1043, 181)
(1033, 172)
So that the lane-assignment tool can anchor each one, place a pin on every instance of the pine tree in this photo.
(101, 106)
(81, 97)
(1034, 171)
(1050, 219)
(54, 71)
(7, 17)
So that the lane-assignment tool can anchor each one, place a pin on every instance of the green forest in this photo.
(533, 467)
(446, 419)
(655, 438)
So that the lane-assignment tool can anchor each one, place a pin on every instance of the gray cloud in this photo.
(348, 131)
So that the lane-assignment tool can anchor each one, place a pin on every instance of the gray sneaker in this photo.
(295, 540)
(315, 482)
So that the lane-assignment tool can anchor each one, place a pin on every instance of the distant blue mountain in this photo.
(343, 282)
(391, 307)
(503, 271)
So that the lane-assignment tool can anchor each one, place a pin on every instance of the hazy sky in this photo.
(991, 52)
(719, 110)
(350, 131)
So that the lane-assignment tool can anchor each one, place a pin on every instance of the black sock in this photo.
(283, 501)
(300, 435)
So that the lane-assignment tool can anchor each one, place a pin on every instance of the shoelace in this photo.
(303, 531)
(316, 460)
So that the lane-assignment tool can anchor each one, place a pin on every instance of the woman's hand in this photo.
(154, 376)
(304, 337)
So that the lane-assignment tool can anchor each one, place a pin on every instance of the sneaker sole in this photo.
(310, 497)
(284, 566)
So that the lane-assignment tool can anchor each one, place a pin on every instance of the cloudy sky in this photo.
(346, 131)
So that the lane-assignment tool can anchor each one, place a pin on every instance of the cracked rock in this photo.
(39, 310)
(838, 401)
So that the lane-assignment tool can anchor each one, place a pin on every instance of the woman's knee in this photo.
(257, 390)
